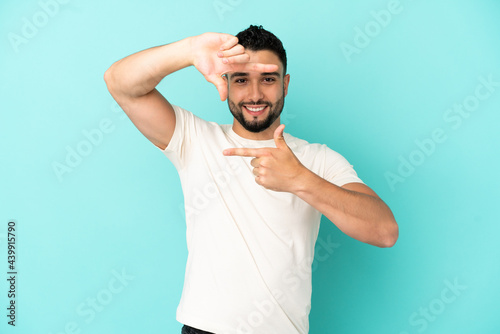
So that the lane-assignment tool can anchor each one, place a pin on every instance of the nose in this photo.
(255, 93)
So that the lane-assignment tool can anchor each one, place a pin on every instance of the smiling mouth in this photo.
(255, 110)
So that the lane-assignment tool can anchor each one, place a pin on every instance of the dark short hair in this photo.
(256, 38)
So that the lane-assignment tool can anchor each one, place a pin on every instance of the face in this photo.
(256, 99)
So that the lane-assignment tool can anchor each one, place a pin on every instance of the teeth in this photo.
(255, 109)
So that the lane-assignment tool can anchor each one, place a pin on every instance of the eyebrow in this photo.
(244, 74)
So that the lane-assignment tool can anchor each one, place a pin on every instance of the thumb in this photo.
(221, 85)
(278, 137)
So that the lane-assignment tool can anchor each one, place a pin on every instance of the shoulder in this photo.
(324, 161)
(301, 146)
(314, 151)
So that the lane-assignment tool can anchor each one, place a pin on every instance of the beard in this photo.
(256, 125)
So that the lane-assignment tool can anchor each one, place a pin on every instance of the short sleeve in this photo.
(338, 170)
(182, 138)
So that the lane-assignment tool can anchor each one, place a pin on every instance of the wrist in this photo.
(304, 181)
(195, 49)
(191, 43)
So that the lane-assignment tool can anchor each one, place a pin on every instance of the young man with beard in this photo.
(254, 195)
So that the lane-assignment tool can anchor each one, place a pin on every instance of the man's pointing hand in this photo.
(277, 168)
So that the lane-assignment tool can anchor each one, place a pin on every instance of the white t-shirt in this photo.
(246, 244)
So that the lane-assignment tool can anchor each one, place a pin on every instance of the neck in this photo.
(263, 135)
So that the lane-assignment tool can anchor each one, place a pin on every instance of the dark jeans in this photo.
(190, 330)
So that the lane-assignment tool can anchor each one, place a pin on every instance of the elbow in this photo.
(390, 236)
(108, 78)
(111, 83)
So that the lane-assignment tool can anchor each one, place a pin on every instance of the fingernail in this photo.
(220, 54)
(224, 60)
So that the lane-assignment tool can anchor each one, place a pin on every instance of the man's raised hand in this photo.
(215, 54)
(277, 168)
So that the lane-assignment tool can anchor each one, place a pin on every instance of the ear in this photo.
(286, 81)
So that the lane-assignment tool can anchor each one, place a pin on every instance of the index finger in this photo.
(258, 67)
(243, 152)
(241, 64)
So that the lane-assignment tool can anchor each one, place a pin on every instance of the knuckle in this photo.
(265, 162)
(239, 48)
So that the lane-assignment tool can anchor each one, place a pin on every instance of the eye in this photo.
(269, 79)
(239, 81)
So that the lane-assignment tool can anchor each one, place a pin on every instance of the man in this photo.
(254, 195)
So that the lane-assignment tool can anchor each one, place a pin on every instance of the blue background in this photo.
(119, 209)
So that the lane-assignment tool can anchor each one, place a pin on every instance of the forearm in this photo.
(362, 216)
(139, 73)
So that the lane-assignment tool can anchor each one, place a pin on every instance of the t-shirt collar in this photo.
(250, 142)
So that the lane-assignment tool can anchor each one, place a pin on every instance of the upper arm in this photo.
(338, 170)
(152, 114)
